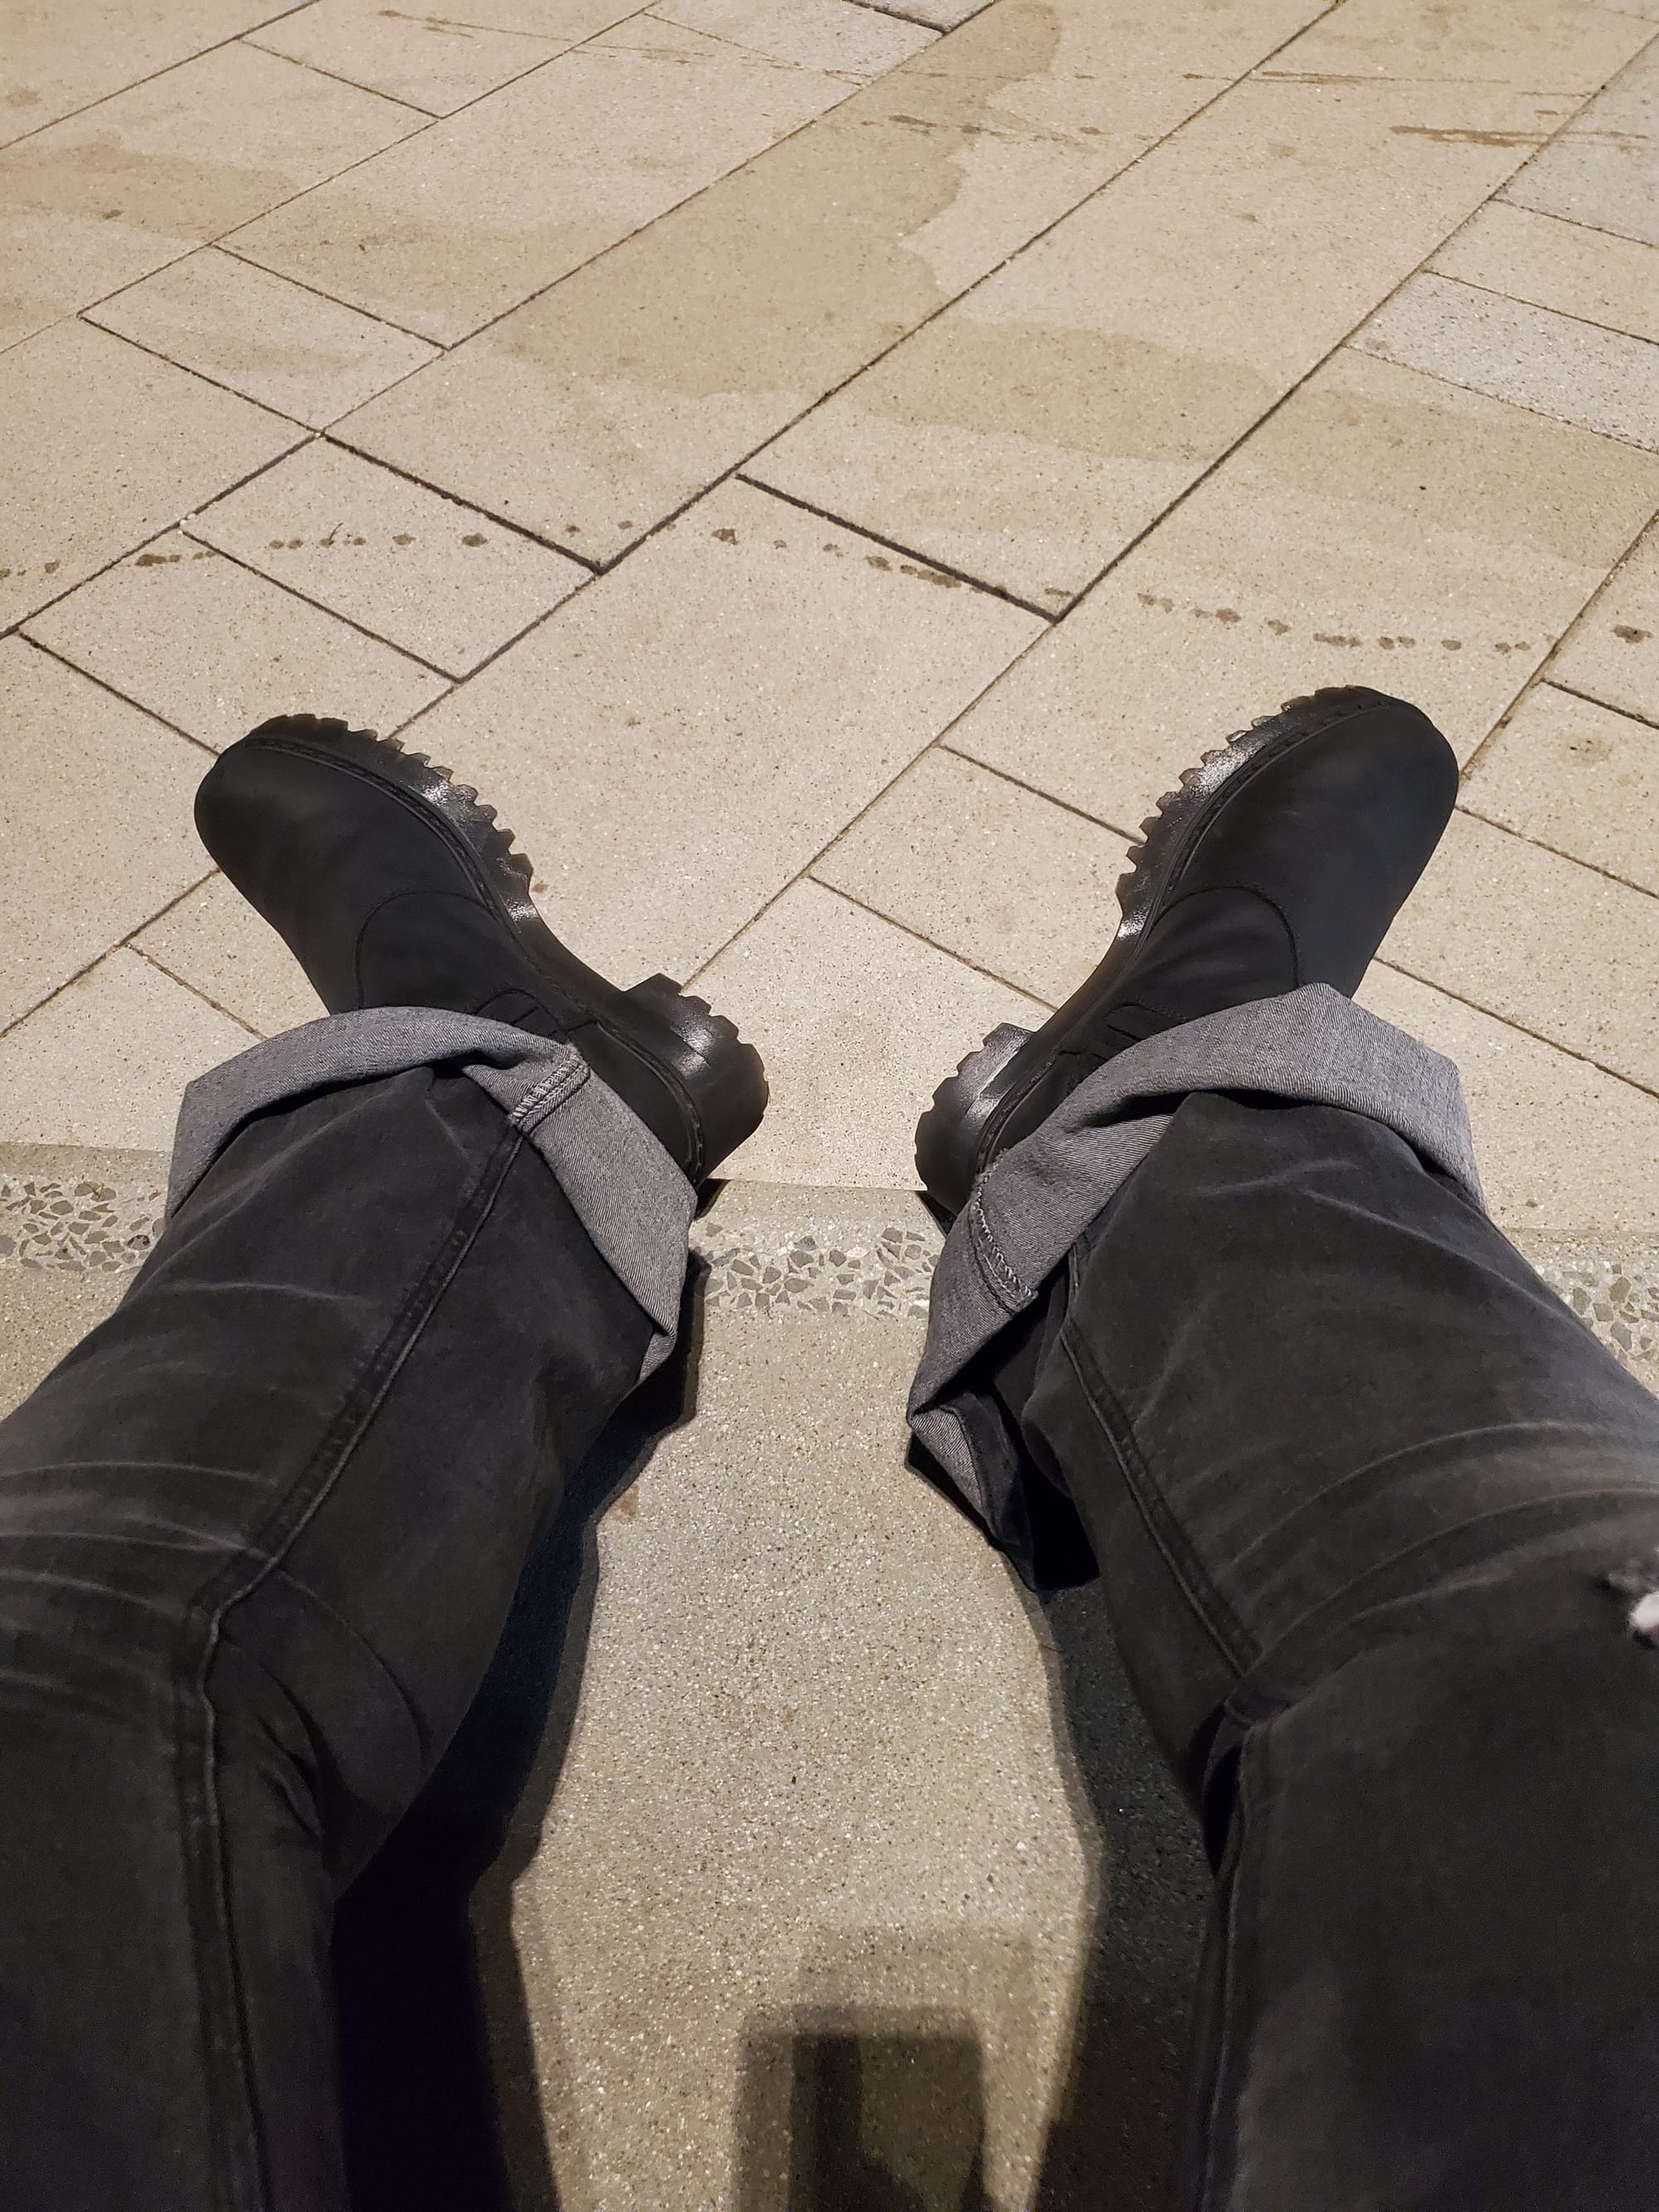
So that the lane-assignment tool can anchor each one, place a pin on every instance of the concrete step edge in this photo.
(766, 1249)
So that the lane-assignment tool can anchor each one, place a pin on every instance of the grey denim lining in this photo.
(1032, 1204)
(628, 1194)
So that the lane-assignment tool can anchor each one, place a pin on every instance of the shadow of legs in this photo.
(424, 1979)
(841, 2112)
(1112, 2146)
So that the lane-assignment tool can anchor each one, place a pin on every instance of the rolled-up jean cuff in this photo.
(628, 1195)
(1032, 1204)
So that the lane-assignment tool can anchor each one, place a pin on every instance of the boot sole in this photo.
(959, 1133)
(716, 1079)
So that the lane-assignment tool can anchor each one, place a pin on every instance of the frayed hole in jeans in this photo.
(1640, 1580)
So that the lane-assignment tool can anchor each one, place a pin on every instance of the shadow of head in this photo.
(862, 2111)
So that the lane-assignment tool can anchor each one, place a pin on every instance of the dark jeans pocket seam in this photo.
(231, 2097)
(1213, 1613)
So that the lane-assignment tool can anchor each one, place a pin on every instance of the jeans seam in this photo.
(1213, 1613)
(1005, 1281)
(548, 1095)
(229, 2084)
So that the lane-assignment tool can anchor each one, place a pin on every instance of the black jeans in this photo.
(258, 1536)
(1355, 1479)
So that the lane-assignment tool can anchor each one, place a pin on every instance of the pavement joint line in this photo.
(161, 912)
(431, 667)
(772, 61)
(1046, 614)
(187, 368)
(214, 47)
(102, 682)
(1539, 1036)
(195, 989)
(331, 437)
(84, 313)
(1067, 805)
(1491, 292)
(1541, 673)
(1630, 713)
(1543, 845)
(427, 122)
(221, 245)
(55, 653)
(1600, 228)
(898, 14)
(1503, 399)
(248, 39)
(892, 546)
(453, 683)
(85, 967)
(806, 871)
(950, 951)
(138, 545)
(773, 436)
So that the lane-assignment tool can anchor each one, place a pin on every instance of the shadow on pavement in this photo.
(858, 2110)
(1111, 2146)
(442, 2109)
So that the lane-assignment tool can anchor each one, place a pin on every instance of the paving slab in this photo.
(1028, 434)
(590, 414)
(105, 448)
(1578, 778)
(1002, 876)
(1539, 941)
(500, 201)
(1613, 652)
(677, 742)
(858, 1022)
(1604, 168)
(1566, 1150)
(215, 942)
(1576, 371)
(95, 822)
(1382, 527)
(105, 1060)
(436, 63)
(214, 649)
(109, 195)
(57, 60)
(1564, 265)
(438, 579)
(271, 341)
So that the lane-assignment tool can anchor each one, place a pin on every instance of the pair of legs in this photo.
(1355, 1481)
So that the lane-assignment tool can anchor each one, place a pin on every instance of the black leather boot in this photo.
(393, 887)
(1280, 860)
